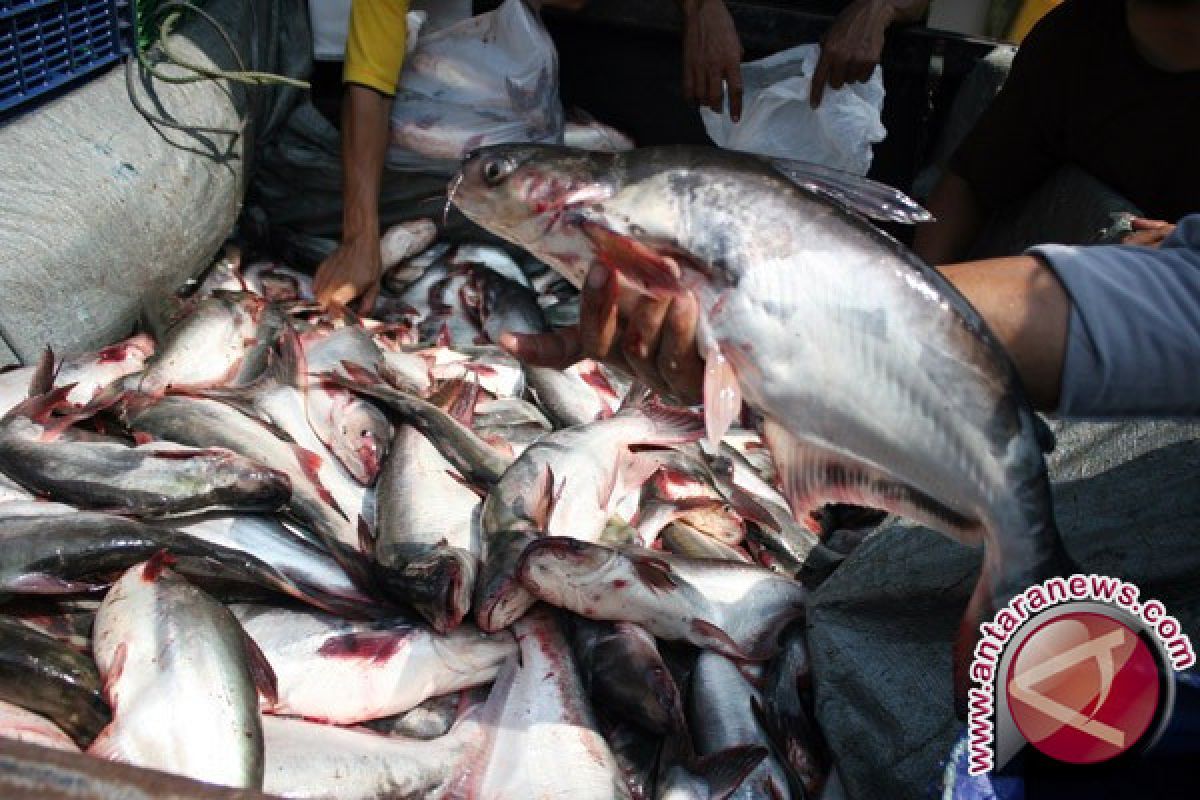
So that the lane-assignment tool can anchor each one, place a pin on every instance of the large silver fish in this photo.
(47, 549)
(475, 459)
(722, 716)
(181, 675)
(878, 384)
(544, 741)
(563, 485)
(88, 374)
(310, 760)
(207, 346)
(317, 577)
(734, 608)
(427, 531)
(354, 430)
(151, 479)
(344, 672)
(282, 397)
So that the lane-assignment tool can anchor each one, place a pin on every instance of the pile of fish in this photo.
(324, 555)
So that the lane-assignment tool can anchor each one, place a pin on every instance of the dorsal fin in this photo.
(42, 380)
(870, 198)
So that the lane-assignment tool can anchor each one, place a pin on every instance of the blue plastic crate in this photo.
(46, 44)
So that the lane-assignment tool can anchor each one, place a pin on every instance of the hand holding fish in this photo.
(655, 340)
(352, 272)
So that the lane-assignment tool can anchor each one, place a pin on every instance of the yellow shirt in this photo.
(375, 44)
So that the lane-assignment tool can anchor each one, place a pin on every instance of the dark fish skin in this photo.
(143, 482)
(49, 678)
(636, 752)
(786, 713)
(623, 670)
(57, 554)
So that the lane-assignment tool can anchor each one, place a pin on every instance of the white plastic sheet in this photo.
(489, 79)
(777, 120)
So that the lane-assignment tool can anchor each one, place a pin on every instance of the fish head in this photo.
(279, 287)
(556, 565)
(132, 352)
(361, 437)
(253, 484)
(528, 194)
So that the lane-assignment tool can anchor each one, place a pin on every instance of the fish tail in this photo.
(1024, 548)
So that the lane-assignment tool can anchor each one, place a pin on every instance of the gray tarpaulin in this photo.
(296, 195)
(7, 356)
(98, 206)
(1127, 499)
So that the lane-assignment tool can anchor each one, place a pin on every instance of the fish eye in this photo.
(497, 169)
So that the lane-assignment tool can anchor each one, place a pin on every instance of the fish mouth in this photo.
(438, 585)
(368, 461)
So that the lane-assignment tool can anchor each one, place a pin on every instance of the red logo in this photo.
(1083, 687)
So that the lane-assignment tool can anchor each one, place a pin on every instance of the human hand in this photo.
(1148, 232)
(655, 341)
(352, 271)
(712, 54)
(852, 47)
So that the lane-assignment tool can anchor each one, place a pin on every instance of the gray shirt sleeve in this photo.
(1133, 341)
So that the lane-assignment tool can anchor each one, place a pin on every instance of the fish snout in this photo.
(560, 557)
(271, 487)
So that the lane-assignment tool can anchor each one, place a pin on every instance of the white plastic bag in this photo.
(777, 120)
(489, 79)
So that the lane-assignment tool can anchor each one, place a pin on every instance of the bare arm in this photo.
(1027, 308)
(353, 270)
(957, 218)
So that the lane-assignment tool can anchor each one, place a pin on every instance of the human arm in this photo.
(1027, 309)
(374, 55)
(712, 55)
(853, 45)
(956, 221)
(353, 270)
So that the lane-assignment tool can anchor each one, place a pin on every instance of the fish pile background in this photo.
(327, 555)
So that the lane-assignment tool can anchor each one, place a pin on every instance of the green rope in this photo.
(201, 72)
